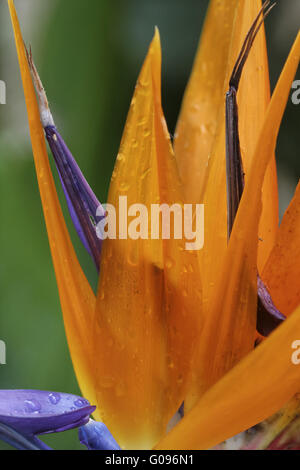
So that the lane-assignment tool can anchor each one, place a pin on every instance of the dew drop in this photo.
(180, 379)
(54, 398)
(191, 268)
(142, 122)
(133, 258)
(81, 402)
(32, 406)
(120, 157)
(124, 186)
(169, 263)
(101, 294)
(171, 364)
(146, 173)
(148, 311)
(107, 382)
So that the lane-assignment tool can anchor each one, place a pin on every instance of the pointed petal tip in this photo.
(155, 45)
(156, 36)
(39, 412)
(95, 436)
(76, 295)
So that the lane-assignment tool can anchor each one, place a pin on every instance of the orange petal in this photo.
(253, 101)
(251, 117)
(199, 123)
(149, 292)
(204, 99)
(250, 393)
(233, 307)
(214, 192)
(76, 296)
(282, 271)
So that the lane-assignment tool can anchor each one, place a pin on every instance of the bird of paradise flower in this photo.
(169, 326)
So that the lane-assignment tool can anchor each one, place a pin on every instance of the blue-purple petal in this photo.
(75, 220)
(20, 441)
(85, 210)
(95, 436)
(32, 412)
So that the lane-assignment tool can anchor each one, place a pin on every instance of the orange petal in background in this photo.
(282, 271)
(76, 296)
(214, 195)
(149, 298)
(204, 99)
(253, 100)
(215, 192)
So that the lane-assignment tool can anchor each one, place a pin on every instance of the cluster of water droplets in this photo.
(33, 406)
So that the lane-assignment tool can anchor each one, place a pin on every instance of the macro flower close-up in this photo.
(178, 306)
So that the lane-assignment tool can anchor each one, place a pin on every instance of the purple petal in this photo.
(74, 218)
(96, 436)
(85, 210)
(268, 316)
(20, 441)
(33, 412)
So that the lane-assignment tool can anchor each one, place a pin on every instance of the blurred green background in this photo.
(89, 54)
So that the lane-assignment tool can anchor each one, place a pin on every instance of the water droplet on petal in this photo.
(54, 398)
(120, 157)
(107, 382)
(124, 186)
(32, 406)
(81, 402)
(101, 295)
(180, 379)
(146, 173)
(169, 263)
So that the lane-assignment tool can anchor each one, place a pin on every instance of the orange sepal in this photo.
(267, 378)
(149, 297)
(204, 99)
(76, 296)
(251, 119)
(253, 101)
(229, 329)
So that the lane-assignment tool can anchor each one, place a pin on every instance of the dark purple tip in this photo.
(268, 316)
